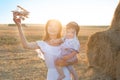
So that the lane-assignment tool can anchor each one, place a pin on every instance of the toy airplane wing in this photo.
(22, 8)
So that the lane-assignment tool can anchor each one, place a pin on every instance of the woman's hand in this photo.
(16, 18)
(70, 55)
(61, 62)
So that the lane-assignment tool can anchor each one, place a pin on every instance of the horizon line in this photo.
(63, 24)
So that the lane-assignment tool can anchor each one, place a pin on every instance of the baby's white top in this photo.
(72, 43)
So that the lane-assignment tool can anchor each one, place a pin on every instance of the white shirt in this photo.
(50, 54)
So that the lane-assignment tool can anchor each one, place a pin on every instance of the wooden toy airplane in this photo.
(21, 12)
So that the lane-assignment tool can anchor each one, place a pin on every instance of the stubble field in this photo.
(17, 63)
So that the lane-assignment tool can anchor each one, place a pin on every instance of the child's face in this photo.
(70, 33)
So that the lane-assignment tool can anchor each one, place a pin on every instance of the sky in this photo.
(84, 12)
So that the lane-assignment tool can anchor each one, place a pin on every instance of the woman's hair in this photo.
(73, 25)
(46, 36)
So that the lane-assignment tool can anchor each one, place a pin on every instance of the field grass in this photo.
(17, 63)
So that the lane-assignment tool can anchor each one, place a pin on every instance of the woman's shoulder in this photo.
(42, 45)
(40, 42)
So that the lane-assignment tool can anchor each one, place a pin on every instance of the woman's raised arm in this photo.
(25, 43)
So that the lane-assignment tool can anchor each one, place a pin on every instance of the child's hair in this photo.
(73, 25)
(46, 37)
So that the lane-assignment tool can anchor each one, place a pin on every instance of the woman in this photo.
(50, 51)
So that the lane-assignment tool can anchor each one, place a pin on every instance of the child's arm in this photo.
(56, 41)
(25, 43)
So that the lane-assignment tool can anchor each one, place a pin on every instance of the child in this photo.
(70, 44)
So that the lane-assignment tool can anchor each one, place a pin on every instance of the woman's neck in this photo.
(53, 37)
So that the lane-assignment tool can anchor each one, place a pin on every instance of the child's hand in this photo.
(52, 41)
(55, 42)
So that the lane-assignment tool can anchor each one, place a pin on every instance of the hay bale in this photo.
(118, 66)
(103, 48)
